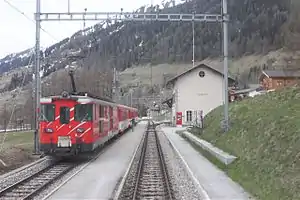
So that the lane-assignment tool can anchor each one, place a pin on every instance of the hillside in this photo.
(256, 27)
(265, 137)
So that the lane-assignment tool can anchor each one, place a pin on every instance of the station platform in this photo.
(215, 183)
(99, 179)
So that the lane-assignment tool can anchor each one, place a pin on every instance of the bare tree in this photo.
(5, 115)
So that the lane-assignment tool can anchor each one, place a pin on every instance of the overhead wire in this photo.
(24, 77)
(27, 17)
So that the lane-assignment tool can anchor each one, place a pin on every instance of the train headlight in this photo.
(48, 130)
(65, 94)
(80, 130)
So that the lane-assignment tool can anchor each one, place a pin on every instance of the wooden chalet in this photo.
(275, 79)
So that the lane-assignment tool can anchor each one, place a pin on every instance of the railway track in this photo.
(35, 184)
(148, 178)
(32, 185)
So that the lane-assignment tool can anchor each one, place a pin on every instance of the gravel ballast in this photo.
(58, 182)
(183, 185)
(27, 172)
(127, 187)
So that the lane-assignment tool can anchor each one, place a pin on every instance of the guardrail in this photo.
(216, 152)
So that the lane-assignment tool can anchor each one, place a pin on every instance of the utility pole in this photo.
(193, 24)
(37, 77)
(225, 46)
(193, 44)
(114, 84)
(84, 21)
(68, 6)
(130, 98)
(151, 79)
(5, 119)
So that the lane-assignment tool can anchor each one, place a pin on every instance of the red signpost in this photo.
(179, 119)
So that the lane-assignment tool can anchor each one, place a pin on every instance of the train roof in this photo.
(127, 107)
(85, 98)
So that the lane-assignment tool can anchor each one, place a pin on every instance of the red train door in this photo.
(111, 118)
(101, 121)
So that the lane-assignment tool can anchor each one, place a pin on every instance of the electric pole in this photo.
(5, 119)
(131, 98)
(193, 44)
(114, 85)
(68, 6)
(37, 77)
(225, 46)
(193, 24)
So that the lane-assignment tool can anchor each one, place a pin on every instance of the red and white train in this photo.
(74, 124)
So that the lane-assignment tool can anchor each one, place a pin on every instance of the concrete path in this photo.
(99, 179)
(215, 182)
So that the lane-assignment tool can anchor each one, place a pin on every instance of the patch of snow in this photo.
(41, 73)
(65, 44)
(117, 30)
(141, 43)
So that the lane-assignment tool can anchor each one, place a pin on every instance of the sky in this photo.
(17, 32)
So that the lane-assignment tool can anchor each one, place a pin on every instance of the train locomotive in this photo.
(77, 123)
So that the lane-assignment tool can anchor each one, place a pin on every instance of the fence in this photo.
(16, 128)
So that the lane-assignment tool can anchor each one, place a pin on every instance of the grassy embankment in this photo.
(17, 150)
(265, 136)
(22, 139)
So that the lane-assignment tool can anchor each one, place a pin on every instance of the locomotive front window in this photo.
(64, 115)
(83, 112)
(48, 112)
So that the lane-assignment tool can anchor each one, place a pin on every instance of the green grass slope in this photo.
(265, 135)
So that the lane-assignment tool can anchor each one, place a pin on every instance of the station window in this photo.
(201, 74)
(64, 115)
(48, 112)
(189, 116)
(279, 83)
(83, 112)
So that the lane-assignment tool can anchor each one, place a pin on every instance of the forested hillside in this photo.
(257, 26)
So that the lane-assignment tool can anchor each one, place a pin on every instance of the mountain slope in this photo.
(256, 27)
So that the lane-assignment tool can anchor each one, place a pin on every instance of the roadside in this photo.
(264, 135)
(17, 150)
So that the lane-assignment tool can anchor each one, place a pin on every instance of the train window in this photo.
(83, 112)
(64, 115)
(111, 118)
(101, 127)
(48, 112)
(101, 111)
(124, 115)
